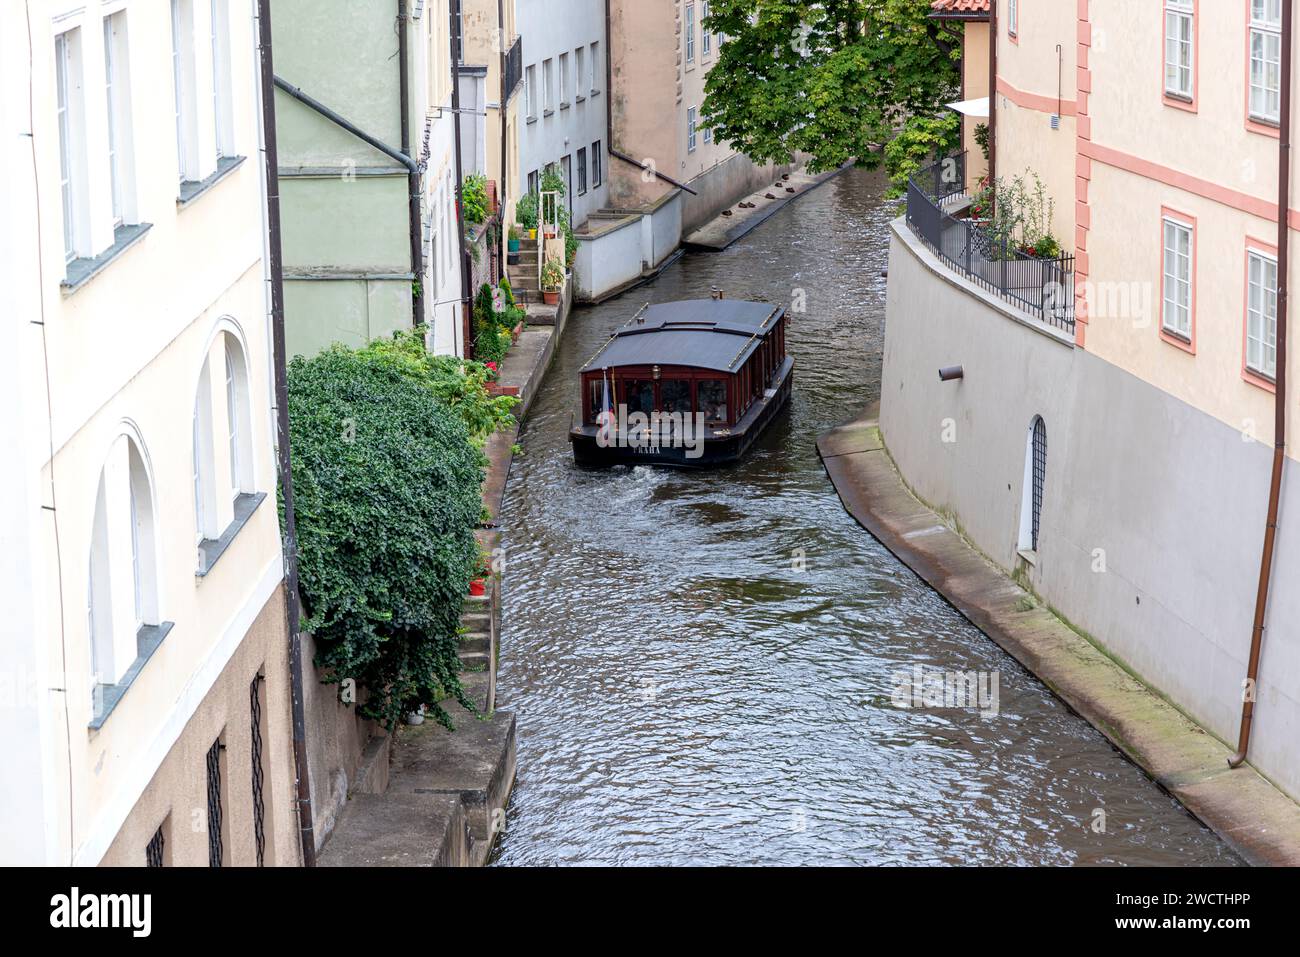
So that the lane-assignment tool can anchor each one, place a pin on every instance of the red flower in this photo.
(492, 366)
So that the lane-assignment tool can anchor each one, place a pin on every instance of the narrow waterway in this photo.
(702, 664)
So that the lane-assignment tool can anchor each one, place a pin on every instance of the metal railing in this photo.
(514, 68)
(1044, 288)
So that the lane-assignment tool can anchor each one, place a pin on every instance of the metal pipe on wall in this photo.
(466, 274)
(413, 211)
(279, 358)
(1251, 684)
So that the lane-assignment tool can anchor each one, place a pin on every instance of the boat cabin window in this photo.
(595, 398)
(712, 395)
(675, 396)
(640, 396)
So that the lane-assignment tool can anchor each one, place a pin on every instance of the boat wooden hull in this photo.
(719, 450)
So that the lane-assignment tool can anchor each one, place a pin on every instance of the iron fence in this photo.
(1044, 288)
(514, 68)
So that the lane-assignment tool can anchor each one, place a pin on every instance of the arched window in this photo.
(1035, 476)
(222, 436)
(122, 585)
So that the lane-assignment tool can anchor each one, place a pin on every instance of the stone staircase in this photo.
(523, 277)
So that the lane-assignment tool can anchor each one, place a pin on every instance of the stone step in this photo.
(473, 644)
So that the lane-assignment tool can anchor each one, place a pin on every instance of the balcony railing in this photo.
(514, 69)
(1044, 288)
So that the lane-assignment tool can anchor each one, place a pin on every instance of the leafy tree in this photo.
(922, 138)
(835, 80)
(387, 493)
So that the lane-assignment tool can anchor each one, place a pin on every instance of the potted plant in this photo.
(526, 213)
(552, 280)
(512, 246)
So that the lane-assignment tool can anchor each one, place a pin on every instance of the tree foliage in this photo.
(835, 80)
(387, 495)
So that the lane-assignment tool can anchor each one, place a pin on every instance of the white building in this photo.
(563, 118)
(143, 646)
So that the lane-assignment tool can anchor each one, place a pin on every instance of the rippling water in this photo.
(688, 694)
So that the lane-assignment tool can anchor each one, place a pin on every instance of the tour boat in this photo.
(688, 384)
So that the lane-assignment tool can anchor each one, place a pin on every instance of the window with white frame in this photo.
(1180, 48)
(117, 88)
(72, 144)
(1178, 252)
(706, 38)
(183, 89)
(122, 580)
(1013, 17)
(708, 134)
(564, 79)
(222, 115)
(595, 67)
(579, 73)
(548, 85)
(530, 91)
(1266, 60)
(1261, 313)
(690, 33)
(595, 164)
(230, 423)
(582, 171)
(690, 129)
(205, 511)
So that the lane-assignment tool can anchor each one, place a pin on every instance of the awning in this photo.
(976, 108)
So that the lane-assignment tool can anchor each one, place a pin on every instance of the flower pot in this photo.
(517, 331)
(512, 257)
(532, 234)
(551, 296)
(416, 717)
(477, 588)
(512, 245)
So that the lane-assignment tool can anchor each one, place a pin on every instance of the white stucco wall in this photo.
(547, 33)
(1171, 500)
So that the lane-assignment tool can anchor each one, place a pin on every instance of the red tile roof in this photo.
(967, 9)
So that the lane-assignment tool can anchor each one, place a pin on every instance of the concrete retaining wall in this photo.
(1153, 512)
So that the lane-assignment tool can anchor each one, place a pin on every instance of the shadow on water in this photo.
(702, 663)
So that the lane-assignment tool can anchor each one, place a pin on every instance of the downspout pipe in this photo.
(413, 213)
(502, 94)
(609, 111)
(275, 264)
(466, 276)
(1251, 684)
(993, 93)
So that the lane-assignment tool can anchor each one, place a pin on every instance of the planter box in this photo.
(495, 389)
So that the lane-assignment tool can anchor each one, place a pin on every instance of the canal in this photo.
(702, 664)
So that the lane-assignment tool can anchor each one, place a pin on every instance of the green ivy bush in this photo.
(493, 325)
(387, 493)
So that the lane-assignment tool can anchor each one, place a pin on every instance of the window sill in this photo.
(579, 98)
(1178, 340)
(1180, 102)
(211, 549)
(564, 104)
(546, 113)
(530, 119)
(1261, 380)
(1028, 554)
(81, 271)
(191, 190)
(148, 639)
(595, 93)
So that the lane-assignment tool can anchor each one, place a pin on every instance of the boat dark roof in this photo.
(717, 334)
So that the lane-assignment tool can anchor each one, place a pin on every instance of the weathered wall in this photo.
(1153, 512)
(176, 796)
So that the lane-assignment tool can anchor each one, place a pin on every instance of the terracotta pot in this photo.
(551, 296)
(478, 588)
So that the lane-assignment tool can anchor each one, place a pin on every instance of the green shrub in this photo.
(526, 211)
(474, 199)
(387, 495)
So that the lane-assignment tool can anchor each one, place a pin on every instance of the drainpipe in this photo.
(413, 217)
(279, 358)
(501, 99)
(1279, 397)
(609, 113)
(466, 276)
(993, 92)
